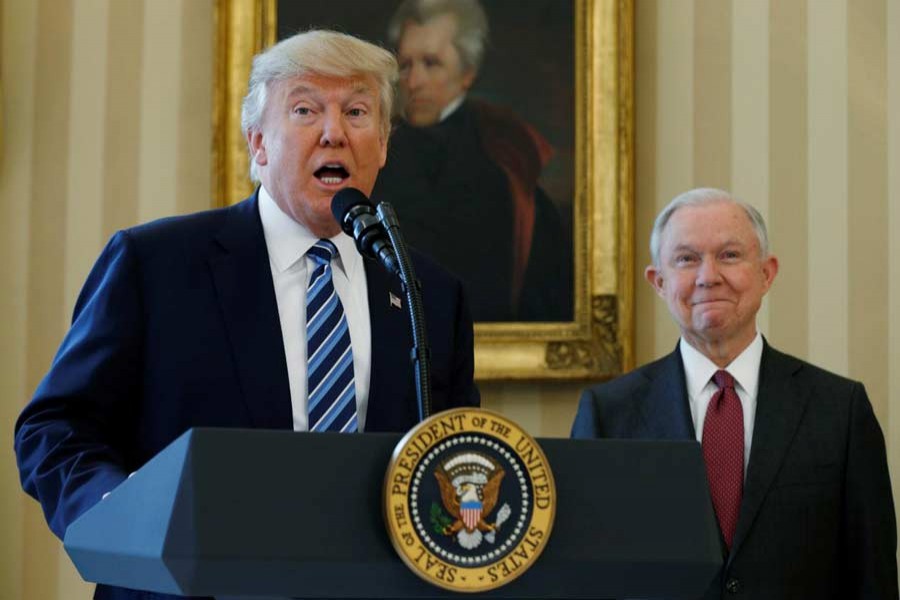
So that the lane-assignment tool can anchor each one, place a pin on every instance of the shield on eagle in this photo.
(470, 511)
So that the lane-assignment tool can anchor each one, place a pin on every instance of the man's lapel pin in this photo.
(394, 300)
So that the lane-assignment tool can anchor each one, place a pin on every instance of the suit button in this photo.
(733, 586)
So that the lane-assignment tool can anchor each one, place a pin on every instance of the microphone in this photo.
(356, 216)
(378, 235)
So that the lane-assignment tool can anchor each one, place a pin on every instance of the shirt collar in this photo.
(698, 369)
(451, 108)
(288, 241)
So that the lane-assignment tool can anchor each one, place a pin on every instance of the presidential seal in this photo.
(469, 500)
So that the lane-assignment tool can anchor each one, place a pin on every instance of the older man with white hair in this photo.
(794, 456)
(261, 314)
(462, 169)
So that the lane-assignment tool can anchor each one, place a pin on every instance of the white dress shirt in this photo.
(451, 107)
(698, 372)
(287, 242)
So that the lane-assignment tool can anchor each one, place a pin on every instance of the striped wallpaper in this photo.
(786, 104)
(107, 122)
(792, 104)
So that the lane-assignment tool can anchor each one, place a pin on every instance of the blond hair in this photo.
(318, 52)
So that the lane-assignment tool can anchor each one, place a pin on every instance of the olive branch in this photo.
(439, 519)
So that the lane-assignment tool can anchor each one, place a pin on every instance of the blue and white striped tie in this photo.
(329, 373)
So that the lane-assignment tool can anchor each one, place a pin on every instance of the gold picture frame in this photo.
(599, 342)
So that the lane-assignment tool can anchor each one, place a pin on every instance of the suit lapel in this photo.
(243, 281)
(780, 406)
(391, 342)
(664, 407)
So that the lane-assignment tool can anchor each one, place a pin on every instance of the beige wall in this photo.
(106, 122)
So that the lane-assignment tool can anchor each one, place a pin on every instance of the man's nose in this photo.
(415, 76)
(333, 133)
(708, 273)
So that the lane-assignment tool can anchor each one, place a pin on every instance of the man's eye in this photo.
(731, 255)
(432, 61)
(356, 112)
(683, 259)
(302, 110)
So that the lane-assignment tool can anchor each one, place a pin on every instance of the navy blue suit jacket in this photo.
(817, 517)
(177, 327)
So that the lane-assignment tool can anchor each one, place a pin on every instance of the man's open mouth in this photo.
(331, 174)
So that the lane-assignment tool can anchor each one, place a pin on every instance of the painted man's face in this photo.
(431, 71)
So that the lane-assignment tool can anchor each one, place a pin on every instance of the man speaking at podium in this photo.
(261, 314)
(794, 455)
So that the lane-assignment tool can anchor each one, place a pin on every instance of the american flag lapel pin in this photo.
(394, 300)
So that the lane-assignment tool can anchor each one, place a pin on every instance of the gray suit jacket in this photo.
(817, 518)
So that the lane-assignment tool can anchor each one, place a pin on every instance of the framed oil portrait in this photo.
(546, 187)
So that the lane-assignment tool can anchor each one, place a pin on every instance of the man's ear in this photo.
(654, 277)
(257, 147)
(468, 79)
(770, 270)
(383, 143)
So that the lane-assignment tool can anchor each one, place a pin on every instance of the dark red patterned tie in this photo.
(723, 451)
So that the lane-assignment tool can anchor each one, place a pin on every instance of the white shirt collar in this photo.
(698, 369)
(288, 241)
(451, 108)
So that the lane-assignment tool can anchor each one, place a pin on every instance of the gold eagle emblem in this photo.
(470, 486)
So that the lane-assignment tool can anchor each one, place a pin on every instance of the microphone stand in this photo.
(421, 353)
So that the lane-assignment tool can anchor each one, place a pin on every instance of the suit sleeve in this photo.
(585, 425)
(70, 440)
(870, 528)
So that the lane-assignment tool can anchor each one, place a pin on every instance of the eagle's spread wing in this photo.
(490, 491)
(448, 494)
